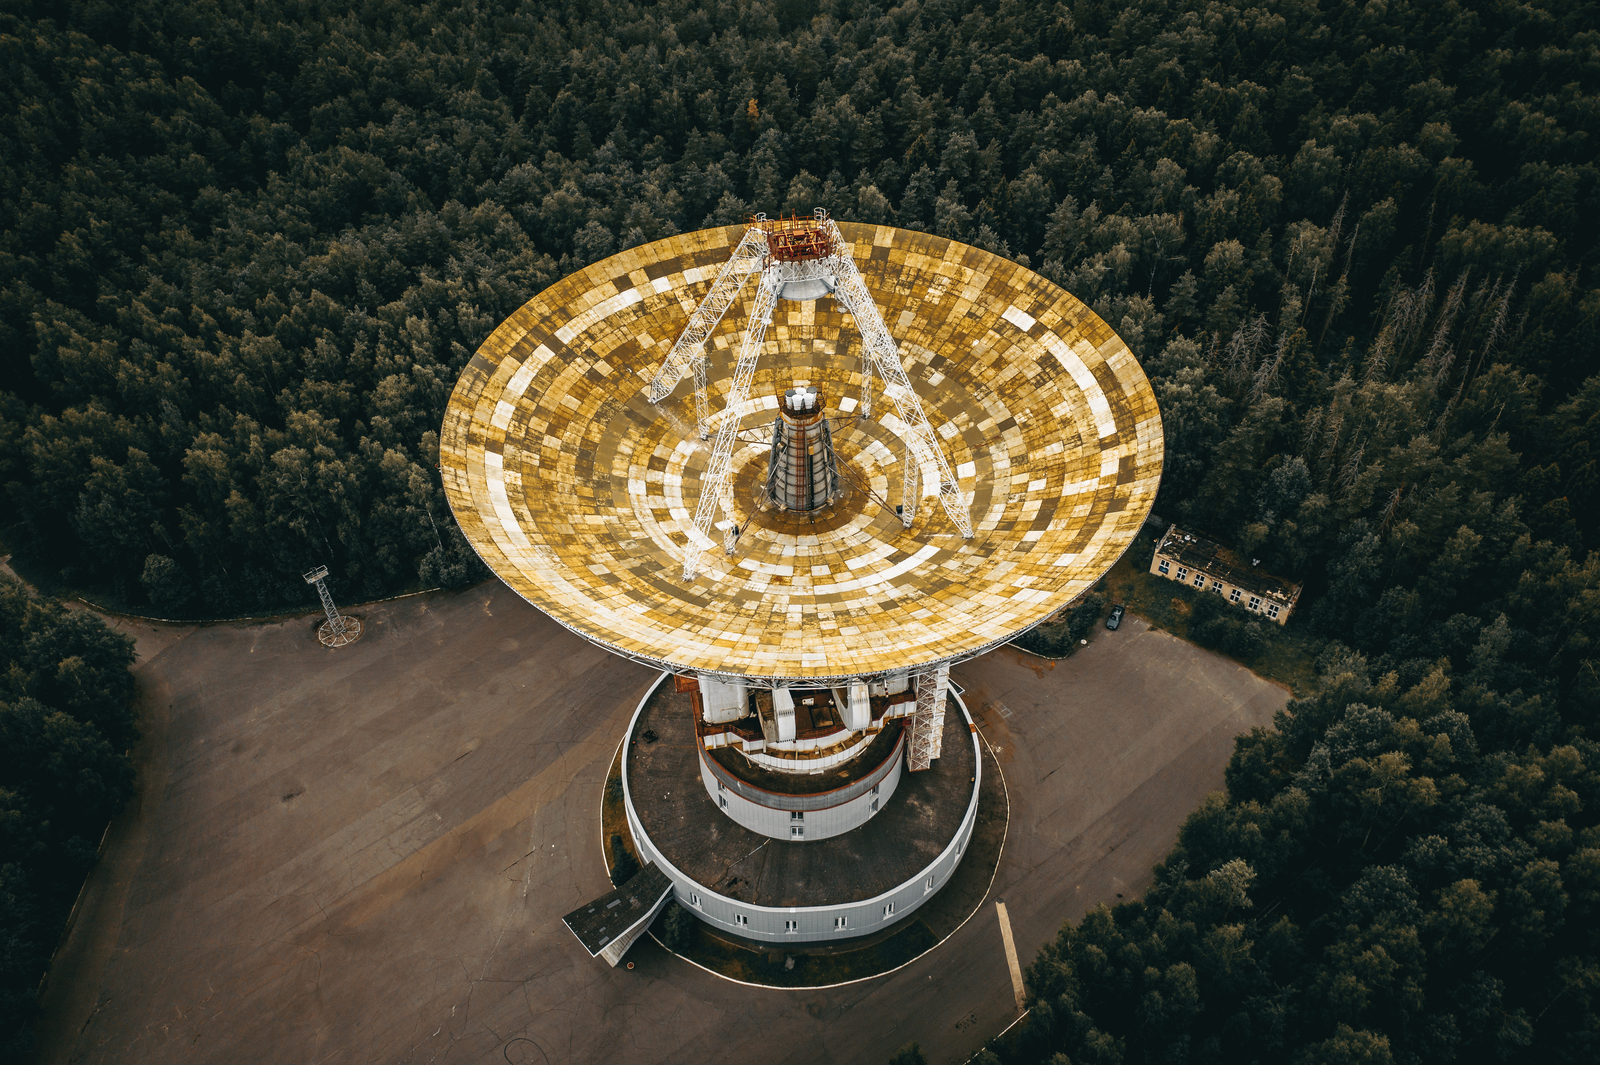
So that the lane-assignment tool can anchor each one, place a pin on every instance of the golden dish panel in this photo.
(580, 494)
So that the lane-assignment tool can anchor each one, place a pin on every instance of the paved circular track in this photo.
(580, 494)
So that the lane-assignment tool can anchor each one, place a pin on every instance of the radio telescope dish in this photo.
(580, 493)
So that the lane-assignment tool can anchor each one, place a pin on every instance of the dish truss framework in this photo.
(815, 260)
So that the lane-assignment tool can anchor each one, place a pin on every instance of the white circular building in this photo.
(801, 468)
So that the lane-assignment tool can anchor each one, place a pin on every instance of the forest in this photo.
(245, 250)
(66, 722)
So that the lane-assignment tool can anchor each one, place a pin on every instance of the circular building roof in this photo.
(580, 494)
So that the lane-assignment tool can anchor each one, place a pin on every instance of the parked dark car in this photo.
(1116, 617)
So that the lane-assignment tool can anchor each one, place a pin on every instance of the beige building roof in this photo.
(1223, 563)
(580, 495)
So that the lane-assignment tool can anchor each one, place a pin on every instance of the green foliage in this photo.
(910, 1054)
(237, 282)
(166, 584)
(1059, 638)
(623, 864)
(66, 660)
(678, 928)
(65, 720)
(1375, 885)
(1229, 628)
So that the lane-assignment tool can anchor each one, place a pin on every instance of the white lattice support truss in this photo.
(836, 273)
(909, 488)
(927, 725)
(688, 355)
(885, 354)
(702, 401)
(714, 484)
(866, 386)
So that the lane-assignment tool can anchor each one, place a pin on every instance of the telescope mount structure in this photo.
(802, 770)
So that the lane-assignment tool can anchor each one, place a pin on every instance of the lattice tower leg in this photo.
(702, 401)
(909, 488)
(335, 622)
(852, 292)
(927, 727)
(747, 259)
(866, 385)
(715, 489)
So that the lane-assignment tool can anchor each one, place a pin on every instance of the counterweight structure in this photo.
(806, 664)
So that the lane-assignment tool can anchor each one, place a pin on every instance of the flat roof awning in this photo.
(609, 925)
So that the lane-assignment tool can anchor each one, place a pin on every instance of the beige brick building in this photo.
(1201, 563)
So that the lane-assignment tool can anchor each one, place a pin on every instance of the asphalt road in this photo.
(363, 855)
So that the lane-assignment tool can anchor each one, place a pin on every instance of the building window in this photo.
(741, 920)
(797, 815)
(840, 923)
(874, 805)
(1272, 611)
(1233, 596)
(888, 909)
(875, 789)
(1183, 573)
(797, 831)
(1199, 580)
(694, 900)
(1216, 586)
(1255, 602)
(722, 801)
(720, 787)
(791, 927)
(1165, 567)
(927, 886)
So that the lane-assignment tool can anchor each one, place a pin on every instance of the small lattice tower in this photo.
(339, 630)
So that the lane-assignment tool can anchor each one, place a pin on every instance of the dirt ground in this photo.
(363, 855)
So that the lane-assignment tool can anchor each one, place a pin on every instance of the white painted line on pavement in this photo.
(1011, 954)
